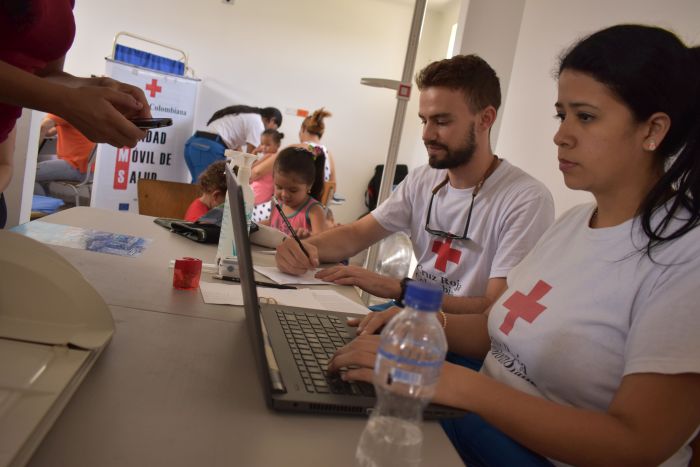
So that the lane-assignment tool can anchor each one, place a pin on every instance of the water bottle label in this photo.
(409, 361)
(397, 375)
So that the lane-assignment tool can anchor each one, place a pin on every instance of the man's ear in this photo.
(487, 118)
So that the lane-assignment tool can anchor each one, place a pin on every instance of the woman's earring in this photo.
(652, 145)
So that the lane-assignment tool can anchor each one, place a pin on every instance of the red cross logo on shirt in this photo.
(153, 87)
(524, 306)
(445, 253)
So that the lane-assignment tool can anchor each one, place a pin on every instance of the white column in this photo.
(18, 195)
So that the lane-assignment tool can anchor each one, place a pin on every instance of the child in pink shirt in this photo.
(298, 184)
(261, 176)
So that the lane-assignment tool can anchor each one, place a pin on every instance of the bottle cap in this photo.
(423, 296)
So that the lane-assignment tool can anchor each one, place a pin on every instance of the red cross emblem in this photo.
(445, 253)
(153, 87)
(524, 306)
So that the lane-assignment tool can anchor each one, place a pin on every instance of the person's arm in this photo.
(317, 218)
(7, 149)
(331, 162)
(332, 245)
(375, 284)
(53, 71)
(47, 129)
(98, 111)
(467, 305)
(626, 434)
(263, 167)
(466, 334)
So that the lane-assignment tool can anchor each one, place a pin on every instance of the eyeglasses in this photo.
(440, 233)
(477, 188)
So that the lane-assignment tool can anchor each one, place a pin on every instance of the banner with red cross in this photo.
(160, 155)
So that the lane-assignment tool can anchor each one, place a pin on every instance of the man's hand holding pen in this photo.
(290, 258)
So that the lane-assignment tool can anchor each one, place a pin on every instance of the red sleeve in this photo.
(196, 210)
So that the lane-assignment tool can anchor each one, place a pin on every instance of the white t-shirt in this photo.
(237, 130)
(587, 309)
(511, 211)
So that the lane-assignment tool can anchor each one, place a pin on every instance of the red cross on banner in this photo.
(445, 253)
(153, 87)
(524, 306)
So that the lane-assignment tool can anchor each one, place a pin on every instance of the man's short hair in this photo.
(467, 73)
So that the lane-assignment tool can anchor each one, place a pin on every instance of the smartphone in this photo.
(147, 123)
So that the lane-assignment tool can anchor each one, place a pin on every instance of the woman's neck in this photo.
(617, 207)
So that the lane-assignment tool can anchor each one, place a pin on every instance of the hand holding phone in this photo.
(149, 123)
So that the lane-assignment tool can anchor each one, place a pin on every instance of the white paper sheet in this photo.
(221, 294)
(231, 294)
(332, 300)
(281, 278)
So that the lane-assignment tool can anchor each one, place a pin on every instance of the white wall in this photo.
(548, 27)
(287, 54)
(432, 46)
(490, 29)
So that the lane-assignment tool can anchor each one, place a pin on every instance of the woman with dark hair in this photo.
(592, 355)
(35, 36)
(236, 127)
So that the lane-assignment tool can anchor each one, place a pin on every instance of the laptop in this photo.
(292, 345)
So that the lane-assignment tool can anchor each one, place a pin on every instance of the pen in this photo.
(289, 226)
(261, 284)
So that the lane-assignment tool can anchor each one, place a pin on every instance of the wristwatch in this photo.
(404, 282)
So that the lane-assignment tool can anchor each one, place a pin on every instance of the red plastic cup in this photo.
(187, 272)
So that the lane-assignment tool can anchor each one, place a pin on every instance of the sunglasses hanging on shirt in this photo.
(477, 188)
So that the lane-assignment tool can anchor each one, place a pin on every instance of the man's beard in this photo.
(457, 157)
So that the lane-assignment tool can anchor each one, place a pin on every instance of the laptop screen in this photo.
(250, 295)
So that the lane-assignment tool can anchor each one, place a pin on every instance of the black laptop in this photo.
(292, 346)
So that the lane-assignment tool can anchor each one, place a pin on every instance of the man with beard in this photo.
(471, 215)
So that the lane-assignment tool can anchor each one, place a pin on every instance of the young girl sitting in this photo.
(298, 180)
(261, 175)
(213, 185)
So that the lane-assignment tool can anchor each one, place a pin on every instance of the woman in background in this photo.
(310, 134)
(237, 127)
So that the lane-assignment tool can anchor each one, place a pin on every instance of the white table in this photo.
(177, 385)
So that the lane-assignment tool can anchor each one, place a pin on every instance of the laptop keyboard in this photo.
(313, 340)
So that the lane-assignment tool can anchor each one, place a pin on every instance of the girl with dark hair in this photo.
(310, 134)
(237, 127)
(298, 177)
(35, 36)
(592, 355)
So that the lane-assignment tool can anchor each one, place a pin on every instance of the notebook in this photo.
(292, 345)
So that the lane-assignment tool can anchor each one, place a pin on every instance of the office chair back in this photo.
(86, 180)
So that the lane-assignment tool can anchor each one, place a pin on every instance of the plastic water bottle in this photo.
(406, 373)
